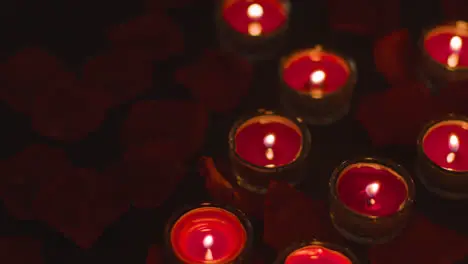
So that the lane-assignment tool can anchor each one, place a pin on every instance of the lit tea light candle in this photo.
(267, 144)
(445, 55)
(245, 24)
(316, 253)
(209, 234)
(443, 157)
(371, 199)
(317, 85)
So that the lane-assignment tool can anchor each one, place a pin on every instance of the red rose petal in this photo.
(81, 205)
(291, 216)
(154, 36)
(217, 80)
(20, 250)
(26, 173)
(422, 242)
(68, 114)
(393, 57)
(155, 255)
(222, 191)
(154, 170)
(182, 122)
(397, 115)
(25, 74)
(119, 74)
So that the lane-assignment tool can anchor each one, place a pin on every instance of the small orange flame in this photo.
(317, 77)
(454, 143)
(372, 189)
(255, 11)
(269, 140)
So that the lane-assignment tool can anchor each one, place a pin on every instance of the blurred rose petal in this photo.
(26, 74)
(20, 250)
(398, 115)
(422, 242)
(394, 58)
(68, 114)
(26, 174)
(119, 74)
(184, 123)
(153, 172)
(153, 36)
(81, 205)
(155, 255)
(219, 81)
(291, 216)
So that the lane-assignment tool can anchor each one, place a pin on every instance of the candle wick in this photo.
(208, 255)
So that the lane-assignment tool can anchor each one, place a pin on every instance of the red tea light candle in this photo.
(445, 52)
(251, 26)
(267, 146)
(316, 253)
(442, 163)
(209, 235)
(370, 199)
(317, 85)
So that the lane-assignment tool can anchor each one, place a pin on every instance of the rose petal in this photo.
(393, 57)
(68, 114)
(120, 74)
(219, 81)
(223, 192)
(422, 242)
(154, 36)
(154, 170)
(81, 205)
(20, 250)
(291, 216)
(182, 122)
(397, 115)
(26, 173)
(155, 255)
(25, 74)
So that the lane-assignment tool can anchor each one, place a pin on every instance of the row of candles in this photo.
(317, 84)
(371, 198)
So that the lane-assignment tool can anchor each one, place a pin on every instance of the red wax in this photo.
(316, 255)
(189, 232)
(235, 14)
(354, 181)
(436, 144)
(298, 69)
(250, 146)
(437, 45)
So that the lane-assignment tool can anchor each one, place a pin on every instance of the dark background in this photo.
(75, 32)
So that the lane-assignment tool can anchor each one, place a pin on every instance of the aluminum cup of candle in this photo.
(317, 85)
(442, 161)
(370, 199)
(316, 252)
(254, 28)
(444, 54)
(268, 146)
(209, 234)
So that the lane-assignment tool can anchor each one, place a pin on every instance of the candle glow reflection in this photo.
(456, 44)
(269, 141)
(208, 243)
(371, 190)
(454, 145)
(255, 12)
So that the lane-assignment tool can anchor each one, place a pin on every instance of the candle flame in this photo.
(208, 241)
(255, 11)
(317, 77)
(270, 155)
(372, 189)
(456, 44)
(450, 157)
(269, 140)
(255, 29)
(454, 143)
